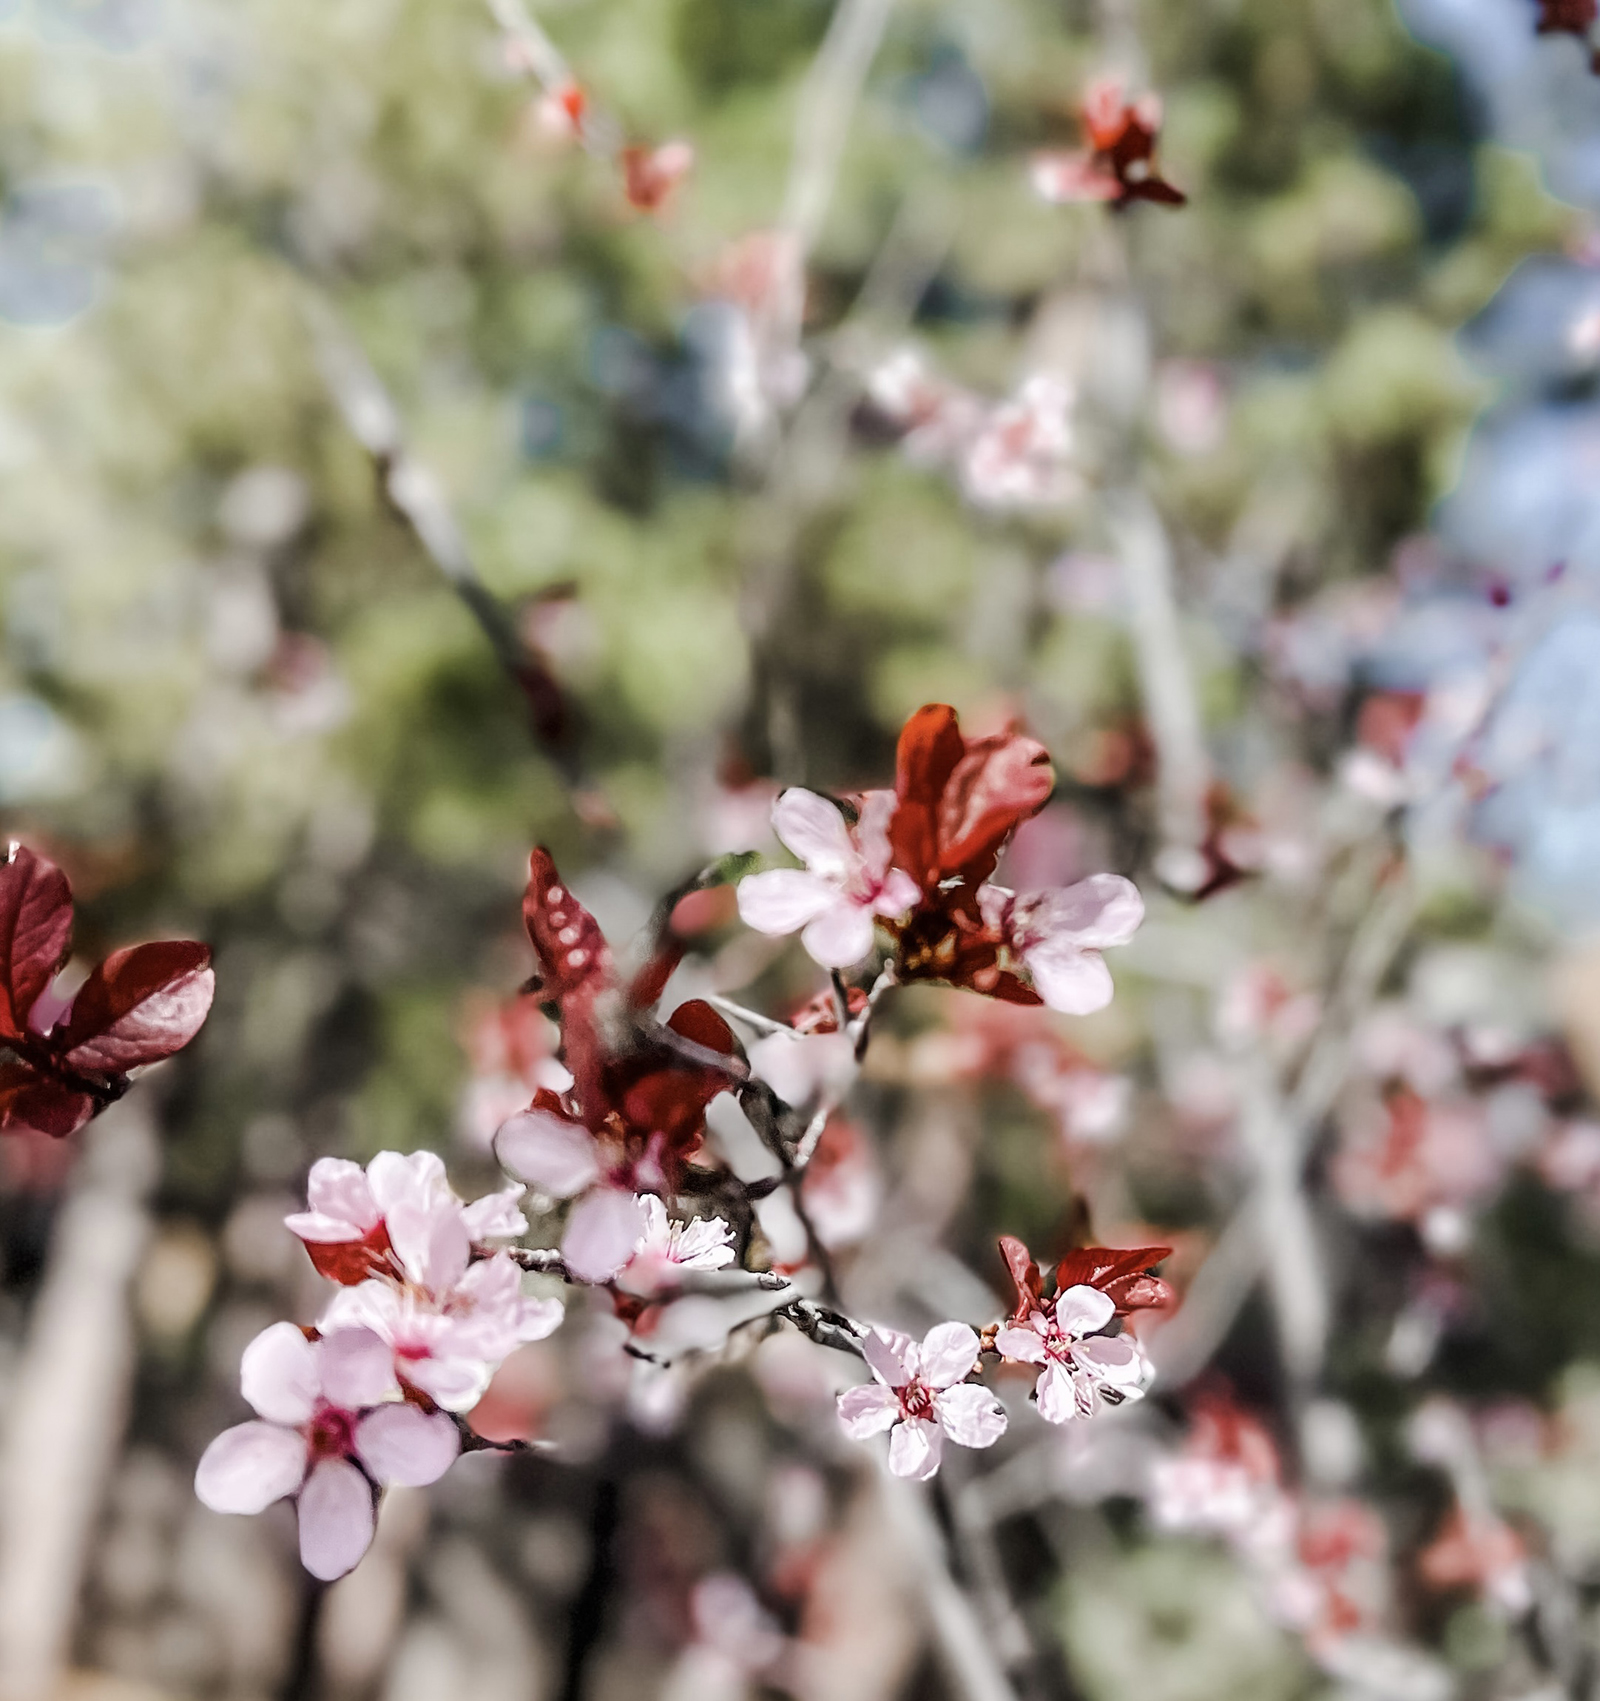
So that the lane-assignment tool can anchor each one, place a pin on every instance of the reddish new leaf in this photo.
(671, 1098)
(35, 925)
(139, 1006)
(572, 950)
(1121, 1274)
(29, 1099)
(350, 1262)
(931, 747)
(1025, 1275)
(996, 786)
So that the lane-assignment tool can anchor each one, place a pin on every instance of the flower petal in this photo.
(603, 1232)
(357, 1369)
(949, 1352)
(338, 1188)
(407, 1178)
(815, 831)
(783, 899)
(495, 1216)
(1083, 1310)
(841, 935)
(898, 894)
(1057, 1394)
(249, 1466)
(400, 1444)
(915, 1449)
(336, 1519)
(549, 1151)
(430, 1240)
(1024, 1344)
(278, 1374)
(867, 1410)
(1103, 910)
(891, 1356)
(970, 1415)
(1077, 983)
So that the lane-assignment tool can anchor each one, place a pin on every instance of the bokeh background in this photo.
(1354, 379)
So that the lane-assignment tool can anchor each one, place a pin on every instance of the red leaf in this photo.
(35, 925)
(998, 784)
(31, 1100)
(139, 1006)
(930, 748)
(350, 1262)
(571, 948)
(671, 1098)
(1120, 1273)
(1025, 1275)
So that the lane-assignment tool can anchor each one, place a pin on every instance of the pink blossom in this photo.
(938, 419)
(1082, 1369)
(332, 1429)
(1060, 933)
(559, 1156)
(847, 881)
(805, 1068)
(701, 1243)
(1022, 456)
(920, 1395)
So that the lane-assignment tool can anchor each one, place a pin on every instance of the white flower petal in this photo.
(357, 1369)
(915, 1449)
(815, 831)
(400, 1444)
(278, 1374)
(495, 1216)
(1057, 1394)
(1103, 910)
(1082, 1310)
(602, 1234)
(407, 1178)
(338, 1189)
(970, 1415)
(336, 1519)
(430, 1240)
(249, 1466)
(840, 936)
(549, 1151)
(1077, 983)
(949, 1352)
(867, 1410)
(783, 900)
(891, 1356)
(1024, 1344)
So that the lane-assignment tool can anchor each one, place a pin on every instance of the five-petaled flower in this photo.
(1058, 935)
(1119, 166)
(331, 1430)
(668, 1246)
(920, 1395)
(849, 880)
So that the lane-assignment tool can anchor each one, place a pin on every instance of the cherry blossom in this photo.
(1481, 1553)
(1119, 166)
(1059, 934)
(848, 881)
(331, 1430)
(1082, 1369)
(668, 1246)
(1021, 457)
(920, 1395)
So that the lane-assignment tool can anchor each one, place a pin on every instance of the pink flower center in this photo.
(331, 1433)
(916, 1400)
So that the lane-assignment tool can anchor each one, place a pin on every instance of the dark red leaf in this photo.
(35, 925)
(350, 1262)
(29, 1099)
(139, 1006)
(1025, 1275)
(930, 748)
(1120, 1273)
(571, 948)
(997, 785)
(671, 1098)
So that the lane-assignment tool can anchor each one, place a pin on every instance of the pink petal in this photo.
(336, 1519)
(783, 899)
(549, 1151)
(815, 831)
(323, 1230)
(453, 1380)
(891, 1356)
(872, 833)
(1076, 983)
(278, 1374)
(915, 1449)
(249, 1466)
(372, 1304)
(949, 1352)
(400, 1444)
(602, 1233)
(1024, 1344)
(841, 935)
(867, 1410)
(1116, 1361)
(1057, 1394)
(899, 893)
(338, 1189)
(1103, 910)
(1082, 1310)
(357, 1369)
(495, 1216)
(430, 1240)
(801, 1067)
(971, 1415)
(1071, 177)
(407, 1178)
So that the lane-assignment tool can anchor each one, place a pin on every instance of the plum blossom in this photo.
(1081, 1369)
(1022, 456)
(847, 883)
(920, 1395)
(701, 1243)
(1059, 935)
(331, 1430)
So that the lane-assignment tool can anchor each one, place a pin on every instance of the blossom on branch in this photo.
(66, 1059)
(668, 1246)
(919, 1393)
(331, 1430)
(1119, 165)
(1058, 935)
